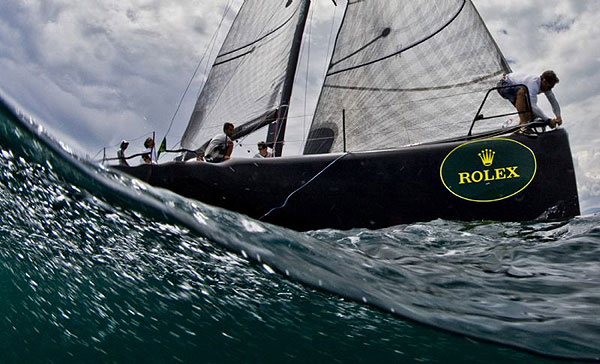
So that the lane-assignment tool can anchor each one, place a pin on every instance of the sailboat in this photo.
(407, 128)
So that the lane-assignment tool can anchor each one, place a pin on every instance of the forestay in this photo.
(405, 72)
(246, 80)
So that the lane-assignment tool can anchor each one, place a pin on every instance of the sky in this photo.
(95, 72)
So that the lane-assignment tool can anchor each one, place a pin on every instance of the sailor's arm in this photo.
(536, 109)
(555, 107)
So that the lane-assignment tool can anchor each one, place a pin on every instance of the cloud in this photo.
(97, 72)
(558, 25)
(587, 163)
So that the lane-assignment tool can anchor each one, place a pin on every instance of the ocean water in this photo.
(97, 267)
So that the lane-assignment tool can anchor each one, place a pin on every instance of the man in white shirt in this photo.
(121, 154)
(263, 152)
(220, 146)
(535, 85)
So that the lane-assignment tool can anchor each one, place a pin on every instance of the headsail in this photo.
(404, 72)
(246, 81)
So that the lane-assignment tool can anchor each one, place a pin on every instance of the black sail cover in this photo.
(245, 83)
(406, 72)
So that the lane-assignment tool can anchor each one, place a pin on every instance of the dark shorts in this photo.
(509, 93)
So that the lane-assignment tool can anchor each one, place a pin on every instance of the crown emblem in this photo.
(487, 157)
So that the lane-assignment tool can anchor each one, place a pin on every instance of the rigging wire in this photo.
(303, 185)
(212, 47)
(212, 41)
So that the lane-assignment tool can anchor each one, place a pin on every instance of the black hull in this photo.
(375, 189)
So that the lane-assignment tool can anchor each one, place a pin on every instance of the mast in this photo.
(276, 133)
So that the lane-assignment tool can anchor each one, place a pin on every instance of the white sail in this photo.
(404, 72)
(246, 81)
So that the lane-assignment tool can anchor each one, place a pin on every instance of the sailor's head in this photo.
(547, 81)
(228, 129)
(149, 143)
(262, 148)
(124, 144)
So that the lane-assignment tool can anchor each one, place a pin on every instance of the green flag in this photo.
(162, 148)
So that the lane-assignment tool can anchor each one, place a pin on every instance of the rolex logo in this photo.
(487, 157)
(488, 170)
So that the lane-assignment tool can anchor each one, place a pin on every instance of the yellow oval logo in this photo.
(488, 170)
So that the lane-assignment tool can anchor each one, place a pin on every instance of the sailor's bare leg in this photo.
(521, 105)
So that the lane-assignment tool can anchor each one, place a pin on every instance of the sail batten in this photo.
(403, 73)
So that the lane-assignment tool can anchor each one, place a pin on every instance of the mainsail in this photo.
(402, 73)
(249, 80)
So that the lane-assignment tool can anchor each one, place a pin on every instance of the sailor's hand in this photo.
(558, 120)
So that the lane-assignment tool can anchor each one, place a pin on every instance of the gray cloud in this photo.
(99, 71)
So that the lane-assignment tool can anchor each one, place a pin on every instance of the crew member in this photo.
(121, 153)
(536, 85)
(263, 152)
(220, 146)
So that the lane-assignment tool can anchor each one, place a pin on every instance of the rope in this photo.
(304, 185)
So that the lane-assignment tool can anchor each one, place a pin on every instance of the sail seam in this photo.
(419, 100)
(261, 38)
(234, 58)
(405, 48)
(418, 89)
